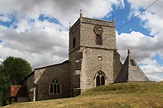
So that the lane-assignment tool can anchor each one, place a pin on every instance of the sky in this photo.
(37, 30)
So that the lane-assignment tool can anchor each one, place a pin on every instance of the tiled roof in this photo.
(14, 90)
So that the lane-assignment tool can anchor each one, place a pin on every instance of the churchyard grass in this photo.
(120, 95)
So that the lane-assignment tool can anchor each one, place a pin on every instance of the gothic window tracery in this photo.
(100, 79)
(55, 87)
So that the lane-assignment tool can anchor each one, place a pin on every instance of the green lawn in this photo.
(122, 95)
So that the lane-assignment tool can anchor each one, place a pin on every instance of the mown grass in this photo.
(125, 88)
(122, 95)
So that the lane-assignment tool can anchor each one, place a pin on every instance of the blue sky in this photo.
(38, 30)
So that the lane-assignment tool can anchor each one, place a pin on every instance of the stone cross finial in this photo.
(80, 13)
(128, 51)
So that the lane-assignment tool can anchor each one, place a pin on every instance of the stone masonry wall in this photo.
(135, 73)
(47, 75)
(88, 37)
(74, 33)
(75, 78)
(96, 60)
(96, 57)
(117, 65)
(30, 84)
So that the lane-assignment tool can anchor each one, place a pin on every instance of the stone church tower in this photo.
(93, 61)
(93, 54)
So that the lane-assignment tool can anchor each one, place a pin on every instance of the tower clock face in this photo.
(98, 30)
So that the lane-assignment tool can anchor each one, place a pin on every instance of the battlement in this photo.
(93, 22)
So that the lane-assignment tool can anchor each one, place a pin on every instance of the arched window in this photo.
(98, 40)
(55, 87)
(100, 79)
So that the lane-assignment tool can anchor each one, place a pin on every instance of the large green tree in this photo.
(12, 71)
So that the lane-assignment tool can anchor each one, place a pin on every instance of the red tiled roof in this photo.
(14, 90)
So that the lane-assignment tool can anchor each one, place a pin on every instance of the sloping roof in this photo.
(14, 90)
(130, 71)
(67, 61)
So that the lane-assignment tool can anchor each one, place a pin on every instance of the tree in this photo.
(4, 90)
(12, 71)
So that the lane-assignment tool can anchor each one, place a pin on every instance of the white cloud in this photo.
(2, 28)
(64, 10)
(138, 43)
(5, 18)
(155, 77)
(137, 4)
(153, 70)
(43, 42)
(35, 59)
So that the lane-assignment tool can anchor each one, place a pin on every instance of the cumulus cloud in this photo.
(35, 59)
(138, 43)
(64, 10)
(42, 42)
(47, 43)
(153, 70)
(4, 18)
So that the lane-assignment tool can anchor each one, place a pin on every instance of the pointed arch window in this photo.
(55, 87)
(97, 80)
(100, 79)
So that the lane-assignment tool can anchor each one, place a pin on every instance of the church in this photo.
(93, 61)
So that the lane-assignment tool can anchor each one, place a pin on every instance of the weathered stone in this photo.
(130, 71)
